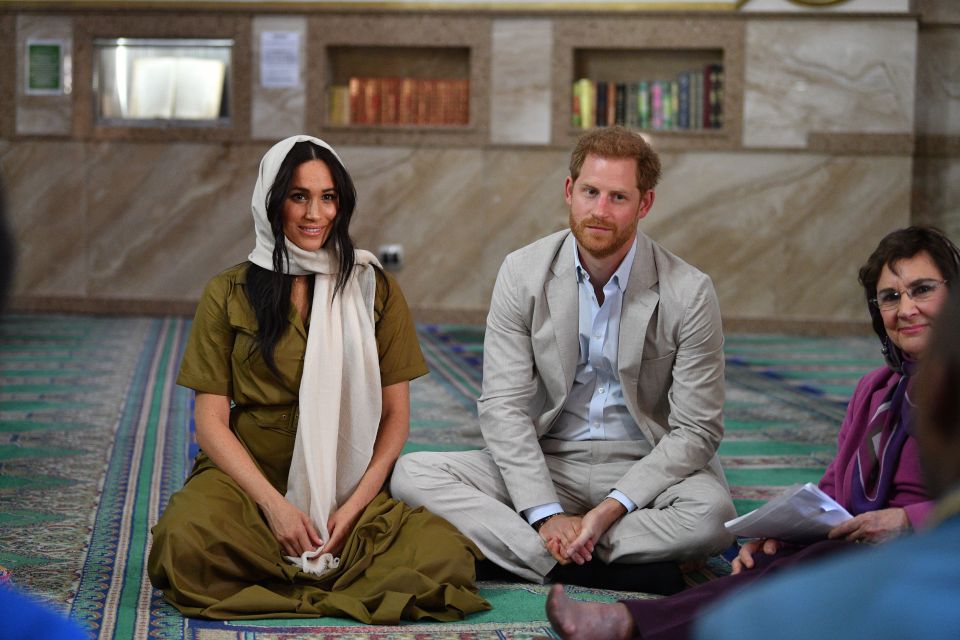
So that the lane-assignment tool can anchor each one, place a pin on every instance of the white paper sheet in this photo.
(279, 59)
(803, 513)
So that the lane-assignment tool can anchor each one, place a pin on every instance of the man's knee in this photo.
(684, 528)
(404, 484)
(704, 533)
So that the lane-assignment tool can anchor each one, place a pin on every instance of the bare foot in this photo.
(574, 620)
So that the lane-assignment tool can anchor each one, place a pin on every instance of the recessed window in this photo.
(162, 82)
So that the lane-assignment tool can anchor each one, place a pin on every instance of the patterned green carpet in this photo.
(94, 436)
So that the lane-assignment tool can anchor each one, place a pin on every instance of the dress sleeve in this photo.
(397, 343)
(909, 490)
(206, 361)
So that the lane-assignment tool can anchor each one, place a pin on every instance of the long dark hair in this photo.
(269, 291)
(903, 244)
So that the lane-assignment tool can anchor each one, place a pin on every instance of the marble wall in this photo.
(938, 81)
(125, 221)
(810, 76)
(936, 191)
(936, 194)
(154, 221)
(278, 112)
(763, 225)
(520, 97)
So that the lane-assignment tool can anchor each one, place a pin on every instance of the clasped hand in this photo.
(572, 538)
(296, 533)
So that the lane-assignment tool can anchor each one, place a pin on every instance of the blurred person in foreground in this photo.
(33, 620)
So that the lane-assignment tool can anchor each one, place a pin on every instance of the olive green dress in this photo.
(214, 555)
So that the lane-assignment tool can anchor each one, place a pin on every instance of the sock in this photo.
(489, 570)
(663, 578)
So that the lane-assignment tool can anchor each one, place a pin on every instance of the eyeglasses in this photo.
(919, 291)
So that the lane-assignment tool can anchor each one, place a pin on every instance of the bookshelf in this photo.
(387, 87)
(658, 90)
(678, 80)
(399, 79)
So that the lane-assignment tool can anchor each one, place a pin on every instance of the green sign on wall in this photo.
(44, 67)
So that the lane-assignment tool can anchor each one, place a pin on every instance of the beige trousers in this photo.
(466, 488)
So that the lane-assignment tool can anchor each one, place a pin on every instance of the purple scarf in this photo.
(879, 453)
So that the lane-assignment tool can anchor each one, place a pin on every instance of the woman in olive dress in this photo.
(301, 360)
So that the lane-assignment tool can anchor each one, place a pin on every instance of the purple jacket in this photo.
(908, 491)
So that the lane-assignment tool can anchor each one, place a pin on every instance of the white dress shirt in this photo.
(594, 408)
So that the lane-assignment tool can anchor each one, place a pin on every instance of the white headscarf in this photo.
(340, 394)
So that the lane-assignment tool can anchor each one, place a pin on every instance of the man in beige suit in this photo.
(602, 398)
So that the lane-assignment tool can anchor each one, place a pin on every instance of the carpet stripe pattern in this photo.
(95, 436)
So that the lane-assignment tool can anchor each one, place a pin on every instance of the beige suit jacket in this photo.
(670, 362)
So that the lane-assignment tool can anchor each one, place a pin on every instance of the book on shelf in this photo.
(355, 94)
(683, 100)
(611, 103)
(656, 105)
(394, 101)
(620, 103)
(390, 101)
(643, 104)
(696, 100)
(632, 117)
(675, 106)
(448, 107)
(339, 105)
(585, 98)
(693, 100)
(407, 108)
(576, 119)
(601, 91)
(426, 98)
(372, 96)
(712, 96)
(460, 102)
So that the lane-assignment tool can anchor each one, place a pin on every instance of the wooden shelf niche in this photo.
(388, 87)
(95, 118)
(679, 81)
(401, 79)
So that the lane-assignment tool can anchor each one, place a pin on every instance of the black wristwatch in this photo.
(542, 521)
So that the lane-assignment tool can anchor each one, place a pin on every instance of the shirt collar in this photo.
(619, 277)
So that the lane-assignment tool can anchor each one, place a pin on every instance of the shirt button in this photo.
(601, 390)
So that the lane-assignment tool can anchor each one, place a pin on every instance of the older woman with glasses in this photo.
(876, 474)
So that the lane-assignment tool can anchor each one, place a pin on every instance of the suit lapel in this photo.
(563, 301)
(639, 302)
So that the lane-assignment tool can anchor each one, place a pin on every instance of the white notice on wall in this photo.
(279, 59)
